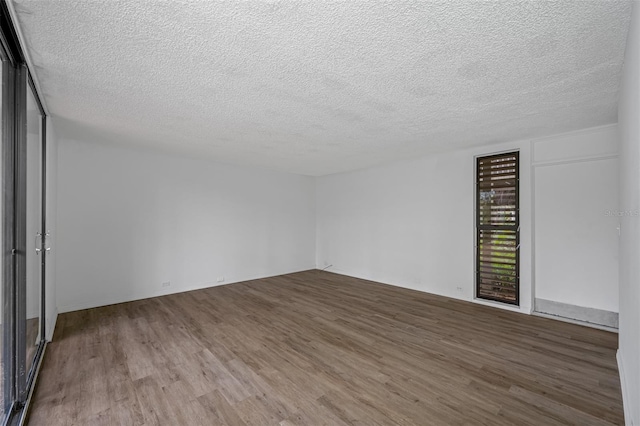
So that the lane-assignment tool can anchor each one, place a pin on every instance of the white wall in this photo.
(130, 220)
(629, 127)
(412, 223)
(575, 230)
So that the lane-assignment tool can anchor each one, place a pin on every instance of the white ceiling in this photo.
(319, 87)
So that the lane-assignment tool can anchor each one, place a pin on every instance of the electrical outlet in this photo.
(220, 279)
(166, 284)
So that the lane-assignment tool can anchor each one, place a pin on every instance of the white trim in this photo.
(500, 305)
(531, 140)
(27, 55)
(532, 188)
(576, 132)
(576, 322)
(492, 153)
(626, 402)
(583, 314)
(576, 160)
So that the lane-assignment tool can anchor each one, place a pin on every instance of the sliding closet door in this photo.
(22, 256)
(34, 253)
(6, 239)
(28, 255)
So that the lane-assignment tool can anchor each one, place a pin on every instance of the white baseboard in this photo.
(498, 305)
(80, 305)
(576, 322)
(628, 420)
(581, 314)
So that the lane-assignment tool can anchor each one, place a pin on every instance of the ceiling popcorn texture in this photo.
(324, 86)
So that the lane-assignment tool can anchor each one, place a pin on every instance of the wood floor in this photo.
(315, 348)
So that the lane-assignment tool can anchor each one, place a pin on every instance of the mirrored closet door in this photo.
(22, 216)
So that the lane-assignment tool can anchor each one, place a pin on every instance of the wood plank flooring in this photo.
(316, 348)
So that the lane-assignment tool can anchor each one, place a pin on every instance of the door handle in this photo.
(46, 242)
(38, 246)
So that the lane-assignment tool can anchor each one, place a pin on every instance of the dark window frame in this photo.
(480, 227)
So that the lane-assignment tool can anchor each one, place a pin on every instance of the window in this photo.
(497, 228)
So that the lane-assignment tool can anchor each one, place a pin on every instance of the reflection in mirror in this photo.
(34, 226)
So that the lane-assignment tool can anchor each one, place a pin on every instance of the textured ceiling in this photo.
(324, 86)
